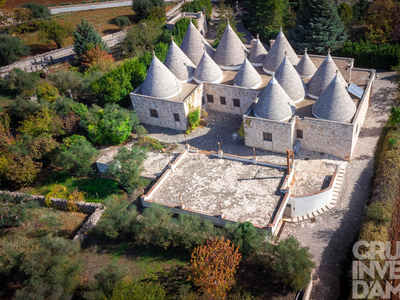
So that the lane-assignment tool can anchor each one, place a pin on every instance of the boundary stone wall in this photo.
(94, 209)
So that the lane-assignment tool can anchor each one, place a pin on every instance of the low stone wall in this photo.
(94, 209)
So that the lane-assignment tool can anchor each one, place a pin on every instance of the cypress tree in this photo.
(318, 27)
(86, 38)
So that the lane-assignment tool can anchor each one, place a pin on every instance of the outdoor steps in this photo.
(326, 208)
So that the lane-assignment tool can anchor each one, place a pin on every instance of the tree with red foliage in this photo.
(213, 267)
(97, 59)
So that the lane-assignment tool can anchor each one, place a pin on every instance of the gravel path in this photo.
(331, 235)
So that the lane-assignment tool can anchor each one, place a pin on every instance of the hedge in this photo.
(369, 55)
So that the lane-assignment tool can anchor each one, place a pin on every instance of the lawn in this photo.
(95, 189)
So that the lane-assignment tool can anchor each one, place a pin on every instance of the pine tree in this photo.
(318, 27)
(85, 38)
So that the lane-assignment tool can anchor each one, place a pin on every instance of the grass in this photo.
(102, 21)
(95, 189)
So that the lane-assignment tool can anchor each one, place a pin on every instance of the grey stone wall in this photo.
(282, 134)
(362, 110)
(246, 97)
(165, 108)
(326, 136)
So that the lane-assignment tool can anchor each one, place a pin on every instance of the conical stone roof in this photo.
(193, 44)
(160, 82)
(335, 103)
(276, 54)
(207, 70)
(306, 67)
(247, 76)
(290, 81)
(273, 103)
(257, 53)
(323, 77)
(230, 52)
(179, 64)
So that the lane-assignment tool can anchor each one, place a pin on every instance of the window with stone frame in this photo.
(210, 98)
(267, 136)
(299, 133)
(153, 113)
(236, 102)
(176, 117)
(223, 100)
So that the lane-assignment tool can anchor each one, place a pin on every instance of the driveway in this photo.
(331, 237)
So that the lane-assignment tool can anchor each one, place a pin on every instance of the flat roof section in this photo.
(247, 192)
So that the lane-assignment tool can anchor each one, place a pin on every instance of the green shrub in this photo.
(47, 92)
(22, 108)
(111, 125)
(52, 271)
(291, 263)
(157, 13)
(246, 237)
(44, 122)
(11, 48)
(21, 81)
(122, 21)
(198, 5)
(127, 168)
(140, 38)
(76, 155)
(66, 105)
(369, 55)
(22, 171)
(193, 120)
(15, 211)
(118, 220)
(38, 11)
(142, 7)
(42, 147)
(117, 84)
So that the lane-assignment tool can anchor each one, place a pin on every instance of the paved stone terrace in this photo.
(247, 192)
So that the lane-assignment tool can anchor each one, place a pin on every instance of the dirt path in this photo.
(330, 237)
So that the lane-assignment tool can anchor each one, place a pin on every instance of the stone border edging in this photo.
(94, 209)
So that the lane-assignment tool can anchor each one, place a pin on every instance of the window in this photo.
(267, 136)
(223, 100)
(176, 118)
(153, 113)
(299, 133)
(236, 102)
(210, 98)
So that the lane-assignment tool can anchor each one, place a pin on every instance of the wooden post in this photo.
(219, 146)
(254, 150)
(288, 160)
